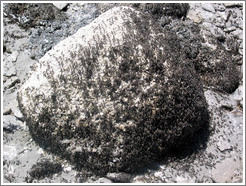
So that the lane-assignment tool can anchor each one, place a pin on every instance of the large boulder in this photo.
(115, 95)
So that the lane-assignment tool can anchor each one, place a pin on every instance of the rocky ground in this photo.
(26, 40)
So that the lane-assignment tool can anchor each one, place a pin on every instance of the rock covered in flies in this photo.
(114, 96)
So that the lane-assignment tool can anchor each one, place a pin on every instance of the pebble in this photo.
(119, 177)
(103, 180)
(232, 5)
(238, 33)
(180, 179)
(40, 151)
(229, 29)
(158, 174)
(60, 6)
(219, 7)
(238, 95)
(223, 145)
(208, 16)
(17, 113)
(208, 7)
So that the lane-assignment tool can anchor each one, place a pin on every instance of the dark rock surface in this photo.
(116, 98)
(215, 65)
(42, 169)
(47, 24)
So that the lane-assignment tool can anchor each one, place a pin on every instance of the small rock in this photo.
(208, 16)
(223, 15)
(240, 51)
(11, 82)
(9, 68)
(237, 33)
(7, 111)
(229, 29)
(181, 179)
(238, 95)
(10, 123)
(68, 168)
(40, 151)
(194, 16)
(219, 7)
(10, 101)
(23, 65)
(119, 177)
(232, 5)
(158, 174)
(208, 7)
(103, 180)
(9, 152)
(223, 172)
(223, 145)
(17, 113)
(60, 6)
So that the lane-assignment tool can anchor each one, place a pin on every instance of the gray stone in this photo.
(10, 101)
(182, 179)
(8, 65)
(208, 7)
(219, 22)
(23, 65)
(208, 16)
(232, 5)
(120, 95)
(11, 82)
(237, 33)
(229, 29)
(223, 15)
(17, 113)
(7, 111)
(238, 96)
(224, 171)
(223, 146)
(103, 180)
(219, 7)
(119, 177)
(11, 123)
(60, 6)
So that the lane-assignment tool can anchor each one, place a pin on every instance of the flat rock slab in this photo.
(224, 171)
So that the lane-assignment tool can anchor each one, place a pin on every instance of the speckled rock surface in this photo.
(116, 98)
(205, 26)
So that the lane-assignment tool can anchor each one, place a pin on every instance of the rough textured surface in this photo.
(32, 14)
(216, 66)
(117, 98)
(223, 27)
